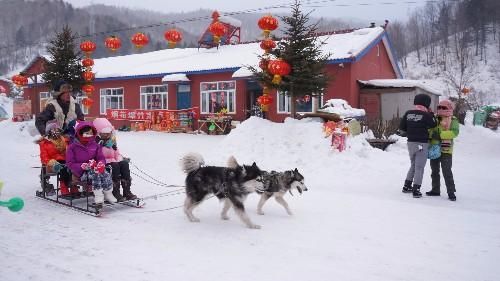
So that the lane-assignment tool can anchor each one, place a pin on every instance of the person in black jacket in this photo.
(416, 124)
(62, 107)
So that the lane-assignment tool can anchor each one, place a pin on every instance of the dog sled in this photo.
(81, 201)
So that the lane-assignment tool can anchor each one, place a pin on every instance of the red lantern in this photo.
(215, 16)
(140, 40)
(267, 45)
(217, 29)
(88, 47)
(268, 23)
(113, 43)
(87, 102)
(264, 101)
(173, 37)
(88, 89)
(263, 64)
(19, 80)
(278, 68)
(88, 76)
(87, 62)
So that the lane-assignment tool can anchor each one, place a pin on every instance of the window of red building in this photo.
(154, 97)
(216, 96)
(303, 104)
(111, 98)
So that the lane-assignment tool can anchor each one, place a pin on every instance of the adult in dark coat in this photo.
(416, 124)
(61, 107)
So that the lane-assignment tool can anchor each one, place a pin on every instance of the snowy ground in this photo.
(353, 223)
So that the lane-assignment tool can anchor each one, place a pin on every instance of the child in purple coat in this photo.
(80, 153)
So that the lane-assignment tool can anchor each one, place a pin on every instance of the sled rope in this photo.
(154, 183)
(175, 207)
(151, 179)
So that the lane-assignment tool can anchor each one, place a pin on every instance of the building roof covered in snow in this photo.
(344, 47)
(401, 83)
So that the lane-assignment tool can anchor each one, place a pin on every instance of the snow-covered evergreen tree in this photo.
(301, 48)
(65, 59)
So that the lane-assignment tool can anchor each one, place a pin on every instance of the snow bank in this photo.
(342, 108)
(6, 107)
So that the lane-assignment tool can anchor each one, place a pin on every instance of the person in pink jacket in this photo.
(120, 172)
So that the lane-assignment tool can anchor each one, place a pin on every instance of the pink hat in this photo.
(102, 125)
(447, 103)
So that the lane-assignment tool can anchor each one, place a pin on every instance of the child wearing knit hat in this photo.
(443, 134)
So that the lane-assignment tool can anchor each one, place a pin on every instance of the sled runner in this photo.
(81, 201)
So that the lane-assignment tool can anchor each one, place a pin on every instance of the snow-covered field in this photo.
(354, 223)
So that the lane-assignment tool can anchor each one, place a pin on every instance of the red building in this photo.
(5, 86)
(211, 78)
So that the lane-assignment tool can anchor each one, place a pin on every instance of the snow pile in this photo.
(342, 108)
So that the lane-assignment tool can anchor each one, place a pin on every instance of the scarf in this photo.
(59, 143)
(445, 115)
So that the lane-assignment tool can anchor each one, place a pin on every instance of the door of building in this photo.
(183, 96)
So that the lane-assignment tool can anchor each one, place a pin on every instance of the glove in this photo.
(85, 166)
(100, 168)
(126, 159)
(401, 133)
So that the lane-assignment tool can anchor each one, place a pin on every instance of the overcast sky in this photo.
(366, 10)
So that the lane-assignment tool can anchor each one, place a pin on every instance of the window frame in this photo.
(103, 102)
(287, 103)
(230, 96)
(47, 97)
(78, 99)
(164, 100)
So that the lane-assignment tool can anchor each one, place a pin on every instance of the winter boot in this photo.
(48, 188)
(98, 198)
(63, 188)
(416, 191)
(407, 187)
(452, 197)
(126, 189)
(116, 191)
(108, 196)
(432, 193)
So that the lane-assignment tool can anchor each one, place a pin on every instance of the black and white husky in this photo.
(231, 184)
(277, 184)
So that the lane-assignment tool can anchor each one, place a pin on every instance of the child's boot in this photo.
(126, 190)
(116, 191)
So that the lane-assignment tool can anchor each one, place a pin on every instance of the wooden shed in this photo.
(389, 98)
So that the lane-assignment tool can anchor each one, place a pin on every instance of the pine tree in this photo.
(301, 48)
(64, 61)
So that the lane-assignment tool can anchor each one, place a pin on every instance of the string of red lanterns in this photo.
(88, 47)
(267, 23)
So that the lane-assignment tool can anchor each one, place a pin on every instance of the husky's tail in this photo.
(191, 162)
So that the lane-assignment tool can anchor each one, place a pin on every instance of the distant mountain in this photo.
(27, 26)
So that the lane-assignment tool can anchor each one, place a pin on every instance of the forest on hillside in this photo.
(455, 39)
